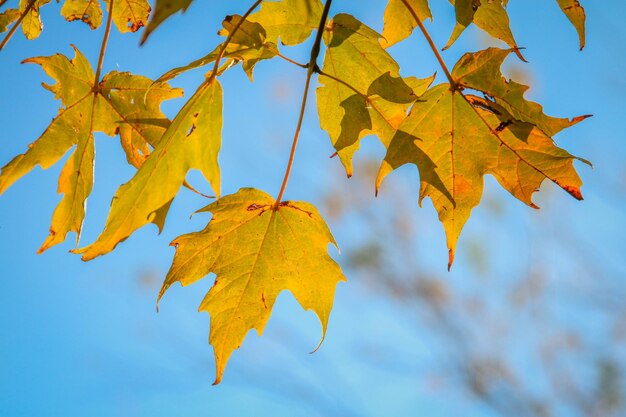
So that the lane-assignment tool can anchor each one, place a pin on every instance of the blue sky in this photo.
(84, 339)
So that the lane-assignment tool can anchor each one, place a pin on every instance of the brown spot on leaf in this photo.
(134, 26)
(503, 125)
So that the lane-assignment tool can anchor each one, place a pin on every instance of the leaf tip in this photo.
(579, 119)
(450, 258)
(574, 192)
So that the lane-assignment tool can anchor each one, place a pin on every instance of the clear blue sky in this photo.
(83, 339)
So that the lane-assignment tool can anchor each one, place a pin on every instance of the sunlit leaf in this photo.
(256, 251)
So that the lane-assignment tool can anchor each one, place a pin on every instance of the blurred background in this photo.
(531, 321)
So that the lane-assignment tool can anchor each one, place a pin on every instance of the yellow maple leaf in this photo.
(256, 250)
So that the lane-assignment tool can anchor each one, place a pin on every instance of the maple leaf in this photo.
(366, 94)
(456, 138)
(576, 14)
(256, 251)
(163, 9)
(122, 103)
(399, 23)
(88, 11)
(247, 45)
(130, 15)
(192, 141)
(489, 16)
(288, 21)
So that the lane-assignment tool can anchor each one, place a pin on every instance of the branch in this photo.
(278, 54)
(431, 43)
(311, 66)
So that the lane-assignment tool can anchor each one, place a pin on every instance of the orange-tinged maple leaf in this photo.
(456, 138)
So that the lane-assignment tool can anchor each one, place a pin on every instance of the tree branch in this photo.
(311, 66)
(103, 47)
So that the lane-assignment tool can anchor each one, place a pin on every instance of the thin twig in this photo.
(17, 24)
(103, 47)
(431, 43)
(278, 54)
(312, 65)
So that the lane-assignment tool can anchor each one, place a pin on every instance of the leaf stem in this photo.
(311, 67)
(17, 24)
(317, 70)
(278, 54)
(220, 55)
(103, 47)
(442, 63)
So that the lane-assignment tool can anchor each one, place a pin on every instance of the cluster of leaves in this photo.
(455, 132)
